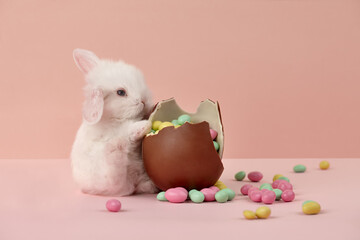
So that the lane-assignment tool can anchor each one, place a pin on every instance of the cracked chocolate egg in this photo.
(184, 156)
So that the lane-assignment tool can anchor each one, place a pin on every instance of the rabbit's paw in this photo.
(139, 130)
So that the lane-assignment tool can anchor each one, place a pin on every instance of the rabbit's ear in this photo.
(93, 106)
(85, 60)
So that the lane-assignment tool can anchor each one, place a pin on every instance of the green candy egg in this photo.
(192, 190)
(175, 122)
(197, 196)
(222, 196)
(305, 202)
(240, 176)
(284, 178)
(230, 193)
(183, 119)
(161, 196)
(216, 145)
(266, 186)
(299, 168)
(278, 193)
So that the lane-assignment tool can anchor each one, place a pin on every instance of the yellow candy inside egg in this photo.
(164, 125)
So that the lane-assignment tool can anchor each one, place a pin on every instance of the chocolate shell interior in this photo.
(184, 156)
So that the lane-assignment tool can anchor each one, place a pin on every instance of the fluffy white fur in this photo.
(106, 155)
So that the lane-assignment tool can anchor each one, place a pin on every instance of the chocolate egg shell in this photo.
(184, 156)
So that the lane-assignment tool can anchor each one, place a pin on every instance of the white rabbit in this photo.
(106, 155)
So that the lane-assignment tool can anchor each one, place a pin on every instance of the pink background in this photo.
(286, 73)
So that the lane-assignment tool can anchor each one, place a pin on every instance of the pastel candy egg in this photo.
(182, 189)
(222, 196)
(239, 176)
(268, 197)
(220, 184)
(276, 177)
(299, 168)
(209, 194)
(284, 178)
(263, 212)
(183, 119)
(230, 193)
(191, 191)
(245, 188)
(113, 205)
(278, 193)
(266, 186)
(213, 133)
(324, 165)
(288, 195)
(216, 145)
(175, 195)
(155, 125)
(311, 208)
(285, 186)
(255, 196)
(216, 189)
(305, 202)
(164, 125)
(276, 183)
(249, 214)
(161, 196)
(251, 189)
(264, 190)
(197, 196)
(175, 122)
(255, 176)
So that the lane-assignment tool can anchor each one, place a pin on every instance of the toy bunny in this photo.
(106, 155)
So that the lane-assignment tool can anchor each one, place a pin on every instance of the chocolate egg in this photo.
(184, 156)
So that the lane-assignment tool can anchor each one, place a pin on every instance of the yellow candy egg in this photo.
(311, 208)
(156, 125)
(165, 124)
(263, 212)
(276, 177)
(324, 165)
(220, 185)
(249, 214)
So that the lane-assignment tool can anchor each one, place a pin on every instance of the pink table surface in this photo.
(40, 201)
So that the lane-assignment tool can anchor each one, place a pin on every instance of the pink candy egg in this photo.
(284, 185)
(288, 195)
(252, 189)
(268, 197)
(174, 195)
(209, 194)
(214, 188)
(244, 189)
(113, 205)
(182, 189)
(255, 176)
(213, 134)
(255, 196)
(276, 183)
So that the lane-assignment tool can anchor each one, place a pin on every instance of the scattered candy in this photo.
(183, 119)
(213, 133)
(305, 202)
(209, 194)
(175, 195)
(255, 196)
(276, 177)
(220, 185)
(230, 193)
(113, 205)
(182, 189)
(240, 176)
(263, 212)
(324, 165)
(255, 176)
(197, 196)
(191, 191)
(161, 196)
(250, 190)
(266, 186)
(216, 145)
(288, 195)
(221, 196)
(311, 207)
(268, 197)
(249, 214)
(278, 193)
(284, 185)
(244, 189)
(299, 168)
(283, 178)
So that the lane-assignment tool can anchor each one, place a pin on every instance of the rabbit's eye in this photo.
(121, 92)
